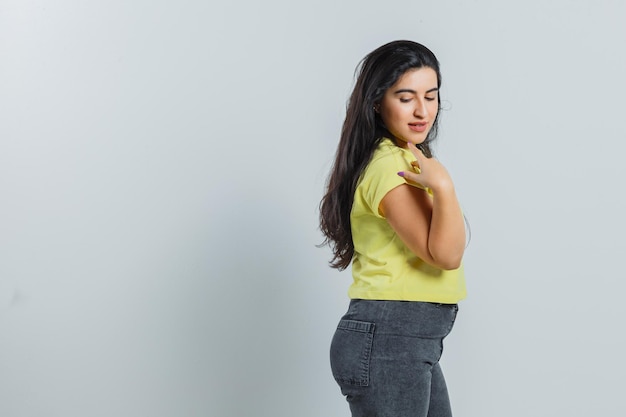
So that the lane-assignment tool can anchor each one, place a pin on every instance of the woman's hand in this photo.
(428, 172)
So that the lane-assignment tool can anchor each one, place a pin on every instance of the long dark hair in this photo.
(362, 131)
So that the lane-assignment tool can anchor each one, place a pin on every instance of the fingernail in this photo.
(401, 173)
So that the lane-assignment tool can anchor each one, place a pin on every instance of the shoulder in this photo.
(381, 175)
(389, 157)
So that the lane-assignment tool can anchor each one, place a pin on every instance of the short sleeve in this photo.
(381, 176)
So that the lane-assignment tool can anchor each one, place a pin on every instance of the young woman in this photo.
(391, 212)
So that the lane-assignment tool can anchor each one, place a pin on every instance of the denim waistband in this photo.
(407, 318)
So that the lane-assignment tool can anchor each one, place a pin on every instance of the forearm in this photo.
(446, 237)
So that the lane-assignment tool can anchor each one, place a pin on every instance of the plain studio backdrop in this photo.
(161, 166)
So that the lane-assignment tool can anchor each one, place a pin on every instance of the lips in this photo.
(418, 126)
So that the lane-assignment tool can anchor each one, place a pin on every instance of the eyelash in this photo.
(406, 100)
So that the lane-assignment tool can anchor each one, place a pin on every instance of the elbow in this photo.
(447, 257)
(450, 265)
(448, 261)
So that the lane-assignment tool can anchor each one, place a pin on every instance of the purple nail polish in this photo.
(401, 173)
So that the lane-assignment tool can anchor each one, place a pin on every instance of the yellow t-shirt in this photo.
(384, 268)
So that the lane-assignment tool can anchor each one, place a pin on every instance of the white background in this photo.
(161, 164)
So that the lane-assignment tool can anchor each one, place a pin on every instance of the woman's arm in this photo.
(432, 228)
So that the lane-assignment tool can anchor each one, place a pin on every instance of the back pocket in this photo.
(350, 352)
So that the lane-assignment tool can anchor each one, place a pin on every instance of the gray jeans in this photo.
(385, 358)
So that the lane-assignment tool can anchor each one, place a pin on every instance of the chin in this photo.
(417, 142)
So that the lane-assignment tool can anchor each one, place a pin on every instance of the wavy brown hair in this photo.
(361, 133)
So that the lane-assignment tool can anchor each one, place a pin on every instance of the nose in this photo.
(420, 110)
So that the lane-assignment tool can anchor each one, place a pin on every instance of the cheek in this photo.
(392, 115)
(435, 107)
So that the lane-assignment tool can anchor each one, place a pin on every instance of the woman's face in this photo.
(409, 107)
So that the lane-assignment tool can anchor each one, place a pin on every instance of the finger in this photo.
(410, 176)
(417, 152)
(412, 179)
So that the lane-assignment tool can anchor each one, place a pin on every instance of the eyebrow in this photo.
(408, 90)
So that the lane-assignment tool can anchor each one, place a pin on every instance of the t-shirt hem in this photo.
(428, 298)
